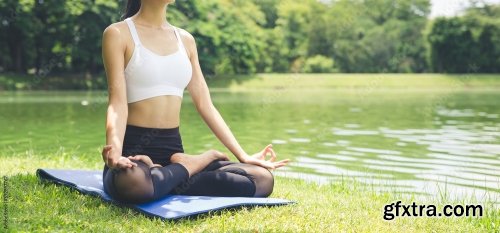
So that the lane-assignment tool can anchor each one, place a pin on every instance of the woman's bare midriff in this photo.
(157, 112)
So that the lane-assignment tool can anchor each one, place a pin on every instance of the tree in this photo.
(379, 35)
(453, 48)
(228, 34)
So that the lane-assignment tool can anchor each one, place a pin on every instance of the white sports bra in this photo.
(149, 75)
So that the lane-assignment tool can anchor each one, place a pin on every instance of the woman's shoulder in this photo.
(115, 29)
(184, 33)
(187, 37)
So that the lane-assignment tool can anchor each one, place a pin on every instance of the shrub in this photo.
(318, 64)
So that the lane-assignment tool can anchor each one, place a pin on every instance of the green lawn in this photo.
(356, 81)
(340, 207)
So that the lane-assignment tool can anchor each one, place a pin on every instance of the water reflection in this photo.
(455, 155)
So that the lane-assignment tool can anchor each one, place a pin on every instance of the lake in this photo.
(424, 142)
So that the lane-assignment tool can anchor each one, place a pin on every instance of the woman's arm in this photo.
(113, 50)
(200, 94)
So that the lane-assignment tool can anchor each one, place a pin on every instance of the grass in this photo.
(356, 81)
(36, 206)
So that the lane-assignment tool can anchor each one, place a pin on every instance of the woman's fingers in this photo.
(274, 165)
(131, 164)
(143, 158)
(263, 153)
(273, 155)
(281, 163)
(126, 162)
(109, 161)
(267, 165)
(137, 157)
(269, 149)
(270, 165)
(106, 149)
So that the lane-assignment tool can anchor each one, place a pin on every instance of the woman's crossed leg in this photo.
(206, 174)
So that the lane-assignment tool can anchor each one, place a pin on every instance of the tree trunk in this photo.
(15, 47)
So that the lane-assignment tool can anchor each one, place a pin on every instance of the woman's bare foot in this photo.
(196, 163)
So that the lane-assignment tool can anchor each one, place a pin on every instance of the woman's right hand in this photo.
(116, 161)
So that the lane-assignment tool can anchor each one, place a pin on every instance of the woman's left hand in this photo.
(259, 159)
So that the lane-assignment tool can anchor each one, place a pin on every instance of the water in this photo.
(431, 142)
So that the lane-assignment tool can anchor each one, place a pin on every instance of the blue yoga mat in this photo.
(170, 207)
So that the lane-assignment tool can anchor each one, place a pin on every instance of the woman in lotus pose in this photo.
(148, 64)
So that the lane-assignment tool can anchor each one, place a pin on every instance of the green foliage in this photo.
(379, 35)
(228, 34)
(256, 36)
(453, 47)
(46, 36)
(467, 44)
(318, 64)
(489, 48)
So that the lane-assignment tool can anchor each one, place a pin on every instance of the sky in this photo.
(451, 7)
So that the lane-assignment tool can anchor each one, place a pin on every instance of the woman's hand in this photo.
(145, 159)
(259, 159)
(116, 161)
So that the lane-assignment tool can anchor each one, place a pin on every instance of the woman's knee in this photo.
(133, 185)
(261, 177)
(264, 181)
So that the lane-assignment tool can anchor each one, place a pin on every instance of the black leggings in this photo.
(142, 184)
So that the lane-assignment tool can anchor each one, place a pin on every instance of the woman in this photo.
(148, 64)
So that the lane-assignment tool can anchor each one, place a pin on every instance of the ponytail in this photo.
(132, 8)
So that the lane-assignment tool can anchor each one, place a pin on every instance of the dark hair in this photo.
(131, 8)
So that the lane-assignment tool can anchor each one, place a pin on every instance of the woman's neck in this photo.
(151, 14)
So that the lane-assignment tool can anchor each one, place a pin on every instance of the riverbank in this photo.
(13, 82)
